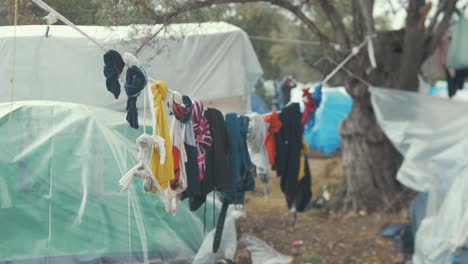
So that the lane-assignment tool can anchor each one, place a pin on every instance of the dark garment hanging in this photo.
(191, 167)
(217, 175)
(456, 82)
(304, 191)
(288, 148)
(242, 169)
(248, 170)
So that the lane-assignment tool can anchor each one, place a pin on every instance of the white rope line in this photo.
(46, 7)
(13, 64)
(354, 52)
(285, 40)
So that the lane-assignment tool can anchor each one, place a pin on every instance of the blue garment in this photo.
(241, 166)
(322, 129)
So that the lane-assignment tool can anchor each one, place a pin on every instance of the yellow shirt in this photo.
(162, 172)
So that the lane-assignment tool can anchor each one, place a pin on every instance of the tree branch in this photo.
(367, 7)
(199, 4)
(440, 8)
(443, 25)
(336, 21)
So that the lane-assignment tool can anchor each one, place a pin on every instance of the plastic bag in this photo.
(457, 55)
(262, 253)
(228, 246)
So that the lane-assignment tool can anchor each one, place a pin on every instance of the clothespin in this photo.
(50, 20)
(130, 59)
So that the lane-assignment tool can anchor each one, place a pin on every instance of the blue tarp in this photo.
(442, 89)
(324, 135)
(258, 105)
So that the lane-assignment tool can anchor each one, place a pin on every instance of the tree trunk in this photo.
(370, 161)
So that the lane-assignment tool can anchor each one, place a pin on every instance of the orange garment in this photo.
(274, 126)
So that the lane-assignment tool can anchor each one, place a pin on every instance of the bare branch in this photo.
(440, 7)
(336, 21)
(443, 25)
(199, 4)
(367, 6)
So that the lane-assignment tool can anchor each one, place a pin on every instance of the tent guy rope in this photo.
(13, 64)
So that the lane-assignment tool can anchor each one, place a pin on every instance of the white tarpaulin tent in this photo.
(431, 135)
(214, 62)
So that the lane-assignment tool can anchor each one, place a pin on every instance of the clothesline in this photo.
(48, 8)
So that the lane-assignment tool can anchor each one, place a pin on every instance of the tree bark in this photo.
(370, 161)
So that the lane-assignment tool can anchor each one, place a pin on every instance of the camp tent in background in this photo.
(64, 187)
(258, 105)
(210, 61)
(335, 106)
(63, 161)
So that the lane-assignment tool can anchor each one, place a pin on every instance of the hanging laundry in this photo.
(273, 128)
(255, 142)
(248, 169)
(288, 148)
(203, 139)
(303, 194)
(177, 134)
(303, 161)
(136, 81)
(163, 172)
(242, 169)
(455, 81)
(218, 175)
(457, 54)
(234, 140)
(191, 166)
(286, 86)
(316, 100)
(113, 67)
(309, 105)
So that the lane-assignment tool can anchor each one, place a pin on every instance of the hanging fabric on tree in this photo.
(135, 81)
(163, 172)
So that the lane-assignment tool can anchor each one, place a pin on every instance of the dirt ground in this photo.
(327, 237)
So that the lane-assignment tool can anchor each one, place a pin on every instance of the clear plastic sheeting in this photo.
(262, 253)
(60, 200)
(431, 135)
(227, 247)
